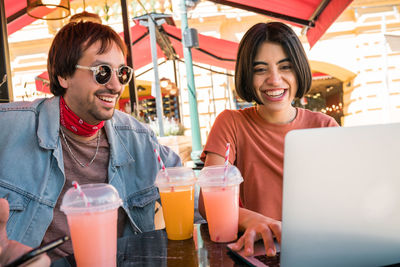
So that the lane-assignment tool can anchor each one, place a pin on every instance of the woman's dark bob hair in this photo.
(69, 45)
(276, 32)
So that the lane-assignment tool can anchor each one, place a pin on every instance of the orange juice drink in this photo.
(176, 186)
(221, 204)
(92, 248)
(220, 190)
(178, 209)
(92, 214)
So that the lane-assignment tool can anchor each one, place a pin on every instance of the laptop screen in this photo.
(341, 196)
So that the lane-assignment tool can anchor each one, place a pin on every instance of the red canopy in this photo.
(211, 51)
(42, 83)
(318, 15)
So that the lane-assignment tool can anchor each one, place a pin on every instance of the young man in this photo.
(77, 135)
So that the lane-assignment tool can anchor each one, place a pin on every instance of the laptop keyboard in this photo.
(270, 261)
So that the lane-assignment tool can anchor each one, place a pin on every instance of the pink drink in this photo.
(94, 238)
(222, 211)
(220, 189)
(92, 214)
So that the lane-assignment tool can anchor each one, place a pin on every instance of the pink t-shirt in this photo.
(256, 148)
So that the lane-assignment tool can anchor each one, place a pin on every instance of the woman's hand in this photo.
(255, 227)
(10, 249)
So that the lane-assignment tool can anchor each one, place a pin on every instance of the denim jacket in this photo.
(32, 168)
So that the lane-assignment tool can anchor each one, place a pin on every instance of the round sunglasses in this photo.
(102, 73)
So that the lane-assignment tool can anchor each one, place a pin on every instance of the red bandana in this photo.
(72, 122)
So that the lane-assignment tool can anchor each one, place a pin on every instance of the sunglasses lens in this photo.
(103, 74)
(124, 74)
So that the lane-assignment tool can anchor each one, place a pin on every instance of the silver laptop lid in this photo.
(341, 197)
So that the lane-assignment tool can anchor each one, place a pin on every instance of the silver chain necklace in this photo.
(72, 154)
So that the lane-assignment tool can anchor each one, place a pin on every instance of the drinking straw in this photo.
(77, 187)
(163, 166)
(160, 161)
(226, 160)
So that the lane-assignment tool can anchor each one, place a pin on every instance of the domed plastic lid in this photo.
(91, 198)
(219, 175)
(175, 176)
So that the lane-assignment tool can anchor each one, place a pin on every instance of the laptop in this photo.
(341, 197)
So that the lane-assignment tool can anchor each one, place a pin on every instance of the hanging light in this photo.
(48, 9)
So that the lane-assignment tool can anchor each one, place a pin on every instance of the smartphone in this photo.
(37, 251)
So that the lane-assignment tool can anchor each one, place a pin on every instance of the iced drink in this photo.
(176, 186)
(220, 190)
(178, 208)
(93, 224)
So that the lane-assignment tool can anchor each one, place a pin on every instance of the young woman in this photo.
(272, 70)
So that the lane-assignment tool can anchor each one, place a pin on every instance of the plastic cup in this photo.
(176, 186)
(93, 225)
(220, 190)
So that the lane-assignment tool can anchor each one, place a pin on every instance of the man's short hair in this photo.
(71, 42)
(279, 33)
